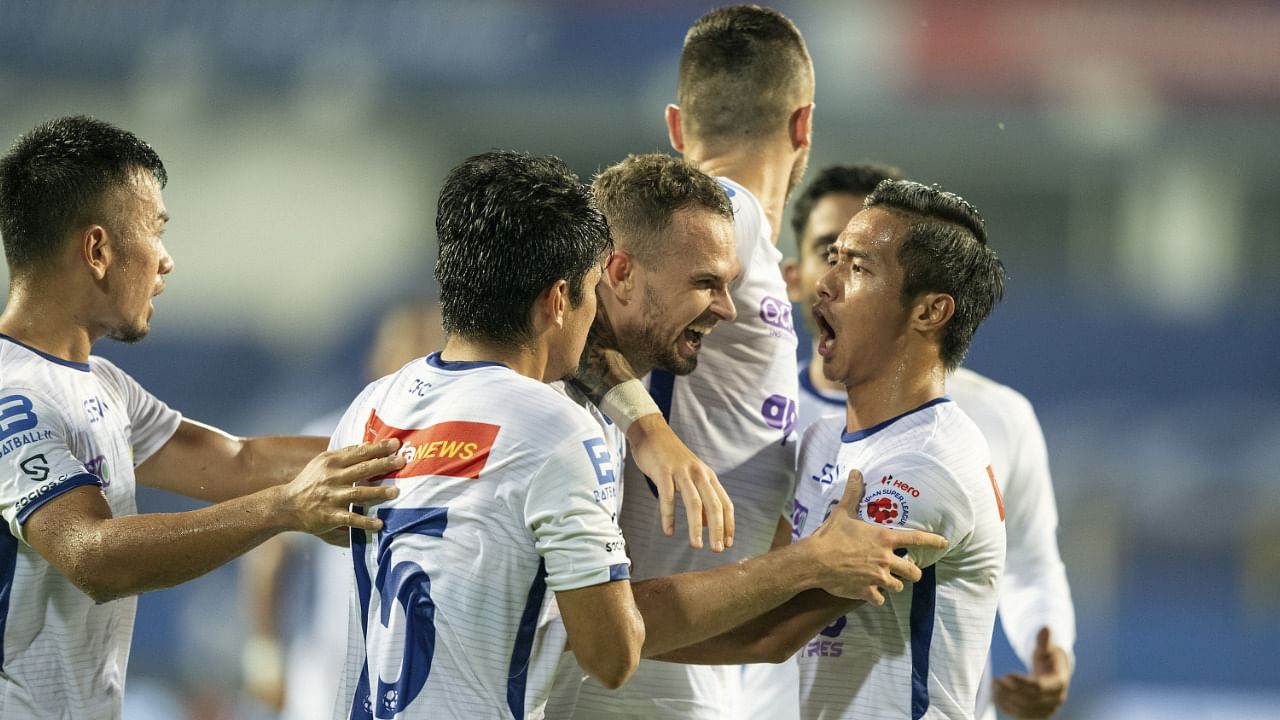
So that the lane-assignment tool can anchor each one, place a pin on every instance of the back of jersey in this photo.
(507, 495)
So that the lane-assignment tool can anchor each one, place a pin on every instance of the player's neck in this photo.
(48, 321)
(762, 169)
(525, 360)
(816, 377)
(894, 393)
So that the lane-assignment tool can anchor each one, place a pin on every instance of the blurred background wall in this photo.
(1125, 154)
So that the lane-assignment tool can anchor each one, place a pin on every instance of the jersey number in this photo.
(404, 583)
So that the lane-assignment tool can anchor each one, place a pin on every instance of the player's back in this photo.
(921, 654)
(507, 494)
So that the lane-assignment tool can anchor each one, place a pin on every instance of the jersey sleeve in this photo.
(37, 464)
(152, 422)
(1034, 592)
(570, 508)
(914, 491)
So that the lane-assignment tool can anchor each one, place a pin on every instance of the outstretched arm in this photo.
(110, 557)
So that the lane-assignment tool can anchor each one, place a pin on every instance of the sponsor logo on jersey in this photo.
(888, 506)
(899, 484)
(827, 648)
(95, 408)
(799, 514)
(98, 466)
(36, 494)
(452, 449)
(827, 475)
(24, 439)
(16, 416)
(777, 314)
(35, 467)
(780, 412)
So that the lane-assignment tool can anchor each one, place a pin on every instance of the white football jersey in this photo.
(65, 425)
(816, 402)
(736, 412)
(1034, 592)
(921, 655)
(508, 496)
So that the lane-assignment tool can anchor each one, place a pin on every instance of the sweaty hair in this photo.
(945, 251)
(57, 178)
(510, 226)
(858, 179)
(641, 194)
(743, 70)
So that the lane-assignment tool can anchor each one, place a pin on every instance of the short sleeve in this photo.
(913, 491)
(151, 421)
(36, 462)
(572, 511)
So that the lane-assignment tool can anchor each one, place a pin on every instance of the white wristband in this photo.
(626, 403)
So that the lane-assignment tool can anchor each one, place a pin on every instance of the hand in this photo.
(319, 498)
(1040, 693)
(673, 468)
(857, 557)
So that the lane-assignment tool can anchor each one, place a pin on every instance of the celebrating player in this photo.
(82, 215)
(1035, 599)
(910, 279)
(745, 95)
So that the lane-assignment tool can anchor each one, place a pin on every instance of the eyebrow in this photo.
(857, 253)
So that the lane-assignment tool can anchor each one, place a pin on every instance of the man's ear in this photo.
(551, 305)
(619, 275)
(932, 311)
(791, 274)
(674, 132)
(95, 250)
(800, 127)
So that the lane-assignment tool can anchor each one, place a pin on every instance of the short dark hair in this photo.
(742, 71)
(859, 179)
(56, 178)
(945, 251)
(640, 194)
(509, 226)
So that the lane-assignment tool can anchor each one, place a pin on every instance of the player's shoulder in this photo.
(989, 402)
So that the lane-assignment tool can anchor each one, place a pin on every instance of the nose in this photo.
(166, 261)
(826, 283)
(722, 305)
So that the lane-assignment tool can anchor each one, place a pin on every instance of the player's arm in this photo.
(110, 557)
(261, 581)
(848, 558)
(206, 463)
(1035, 599)
(605, 631)
(606, 377)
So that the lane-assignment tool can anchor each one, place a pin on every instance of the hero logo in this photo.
(904, 487)
(780, 412)
(16, 415)
(777, 314)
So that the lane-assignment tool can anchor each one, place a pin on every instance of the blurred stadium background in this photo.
(1125, 155)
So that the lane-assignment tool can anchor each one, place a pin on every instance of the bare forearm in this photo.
(272, 460)
(772, 637)
(128, 555)
(261, 580)
(691, 607)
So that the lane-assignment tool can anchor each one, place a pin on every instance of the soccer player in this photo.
(1035, 599)
(82, 214)
(510, 489)
(910, 279)
(281, 669)
(745, 94)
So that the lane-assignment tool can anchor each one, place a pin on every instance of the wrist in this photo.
(627, 403)
(804, 564)
(280, 509)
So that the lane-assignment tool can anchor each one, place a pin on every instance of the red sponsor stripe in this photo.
(995, 487)
(453, 449)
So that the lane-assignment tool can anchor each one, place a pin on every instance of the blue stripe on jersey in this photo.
(619, 571)
(359, 541)
(439, 363)
(923, 600)
(518, 673)
(8, 564)
(862, 434)
(661, 387)
(65, 486)
(82, 367)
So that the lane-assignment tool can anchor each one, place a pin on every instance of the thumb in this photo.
(853, 489)
(1042, 641)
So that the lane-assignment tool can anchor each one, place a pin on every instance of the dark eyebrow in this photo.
(822, 242)
(856, 253)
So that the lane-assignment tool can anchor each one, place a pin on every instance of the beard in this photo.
(653, 344)
(128, 333)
